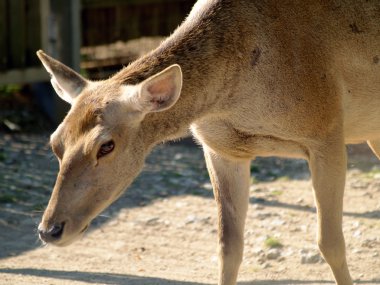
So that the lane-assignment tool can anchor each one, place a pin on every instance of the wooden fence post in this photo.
(64, 40)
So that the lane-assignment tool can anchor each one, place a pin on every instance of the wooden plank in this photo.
(176, 17)
(110, 3)
(67, 49)
(155, 20)
(33, 32)
(67, 16)
(98, 26)
(127, 22)
(75, 34)
(132, 28)
(17, 39)
(44, 24)
(3, 34)
(18, 76)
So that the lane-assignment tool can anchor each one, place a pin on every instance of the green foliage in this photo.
(276, 192)
(39, 207)
(374, 173)
(255, 168)
(2, 155)
(284, 178)
(7, 198)
(272, 242)
(253, 180)
(9, 89)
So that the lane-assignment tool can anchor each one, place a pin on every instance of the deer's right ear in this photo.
(66, 82)
(158, 92)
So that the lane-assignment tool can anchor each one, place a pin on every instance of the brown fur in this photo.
(287, 78)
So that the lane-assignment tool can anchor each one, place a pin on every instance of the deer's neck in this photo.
(199, 49)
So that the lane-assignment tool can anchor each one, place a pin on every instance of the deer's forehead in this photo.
(81, 121)
(101, 91)
(84, 117)
(67, 138)
(92, 114)
(85, 120)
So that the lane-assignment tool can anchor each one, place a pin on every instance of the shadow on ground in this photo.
(121, 279)
(277, 204)
(94, 277)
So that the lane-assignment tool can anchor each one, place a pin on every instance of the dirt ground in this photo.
(163, 230)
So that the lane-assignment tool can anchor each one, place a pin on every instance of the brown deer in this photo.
(294, 78)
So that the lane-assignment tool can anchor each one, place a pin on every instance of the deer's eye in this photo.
(105, 149)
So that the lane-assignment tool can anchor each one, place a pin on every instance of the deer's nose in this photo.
(54, 233)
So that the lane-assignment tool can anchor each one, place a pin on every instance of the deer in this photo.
(248, 78)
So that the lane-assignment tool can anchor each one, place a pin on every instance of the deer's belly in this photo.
(229, 141)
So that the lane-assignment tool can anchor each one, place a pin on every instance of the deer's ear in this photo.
(159, 92)
(66, 82)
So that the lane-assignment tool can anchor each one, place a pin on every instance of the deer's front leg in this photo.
(230, 180)
(328, 169)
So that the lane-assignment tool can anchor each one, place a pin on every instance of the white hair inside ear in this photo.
(158, 92)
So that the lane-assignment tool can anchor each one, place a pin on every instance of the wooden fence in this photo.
(29, 25)
(61, 27)
(105, 22)
(116, 32)
(21, 34)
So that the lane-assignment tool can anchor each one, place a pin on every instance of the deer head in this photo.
(100, 144)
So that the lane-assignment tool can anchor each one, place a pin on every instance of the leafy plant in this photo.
(272, 242)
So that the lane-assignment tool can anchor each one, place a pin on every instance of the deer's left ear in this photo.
(161, 91)
(66, 82)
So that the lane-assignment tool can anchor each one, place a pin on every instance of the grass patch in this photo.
(8, 90)
(2, 155)
(276, 192)
(283, 178)
(40, 207)
(253, 180)
(176, 174)
(255, 168)
(272, 242)
(373, 173)
(7, 198)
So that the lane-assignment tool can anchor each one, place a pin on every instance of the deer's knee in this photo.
(333, 250)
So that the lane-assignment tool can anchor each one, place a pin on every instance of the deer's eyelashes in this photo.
(105, 149)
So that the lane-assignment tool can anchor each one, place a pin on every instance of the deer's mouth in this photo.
(84, 229)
